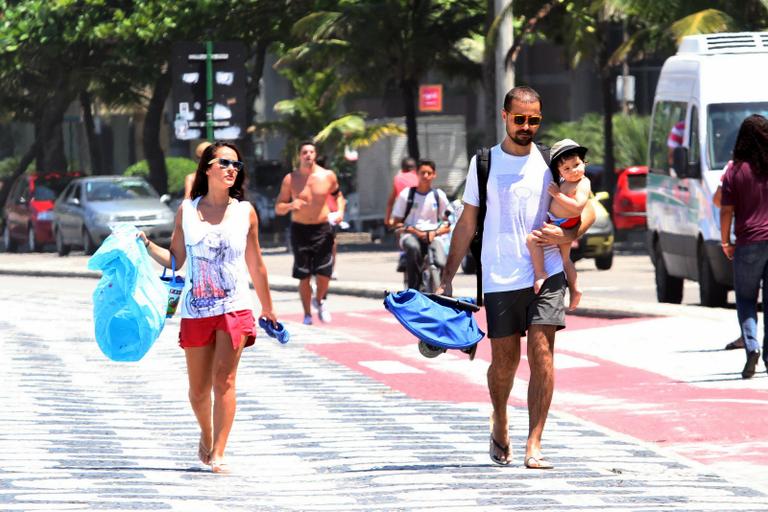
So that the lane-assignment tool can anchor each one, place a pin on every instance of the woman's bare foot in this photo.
(203, 453)
(574, 299)
(539, 282)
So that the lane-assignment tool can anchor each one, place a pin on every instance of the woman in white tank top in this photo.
(218, 234)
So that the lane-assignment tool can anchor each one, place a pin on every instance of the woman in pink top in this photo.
(406, 177)
(745, 201)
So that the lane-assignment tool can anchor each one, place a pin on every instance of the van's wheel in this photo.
(32, 245)
(711, 293)
(668, 288)
(8, 242)
(62, 249)
(88, 246)
(604, 262)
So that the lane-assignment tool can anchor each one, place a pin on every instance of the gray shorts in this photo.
(510, 313)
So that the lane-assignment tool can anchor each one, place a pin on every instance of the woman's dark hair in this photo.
(200, 185)
(752, 144)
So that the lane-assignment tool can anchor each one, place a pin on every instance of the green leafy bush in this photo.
(630, 137)
(178, 168)
(8, 166)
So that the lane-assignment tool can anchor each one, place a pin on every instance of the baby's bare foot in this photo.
(575, 298)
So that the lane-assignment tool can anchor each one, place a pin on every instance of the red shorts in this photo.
(199, 332)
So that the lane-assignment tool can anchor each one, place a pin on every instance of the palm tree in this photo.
(391, 44)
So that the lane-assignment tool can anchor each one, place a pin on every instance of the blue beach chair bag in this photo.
(433, 322)
(130, 302)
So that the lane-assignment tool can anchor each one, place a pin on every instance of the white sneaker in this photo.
(323, 314)
(307, 319)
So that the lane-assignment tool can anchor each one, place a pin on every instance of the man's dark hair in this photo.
(523, 94)
(306, 143)
(407, 162)
(752, 144)
(428, 163)
(200, 185)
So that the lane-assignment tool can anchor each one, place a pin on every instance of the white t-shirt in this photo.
(517, 204)
(426, 214)
(217, 276)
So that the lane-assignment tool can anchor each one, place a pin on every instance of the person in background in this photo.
(406, 177)
(304, 194)
(218, 231)
(744, 203)
(424, 225)
(738, 342)
(189, 179)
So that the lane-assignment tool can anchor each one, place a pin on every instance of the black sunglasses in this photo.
(226, 162)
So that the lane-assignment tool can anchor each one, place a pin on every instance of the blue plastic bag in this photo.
(129, 303)
(438, 324)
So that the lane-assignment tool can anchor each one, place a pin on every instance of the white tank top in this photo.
(217, 277)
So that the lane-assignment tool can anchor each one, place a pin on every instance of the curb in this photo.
(591, 307)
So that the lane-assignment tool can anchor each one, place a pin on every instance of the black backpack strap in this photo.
(483, 166)
(545, 153)
(409, 203)
(437, 202)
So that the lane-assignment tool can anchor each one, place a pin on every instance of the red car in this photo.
(28, 215)
(629, 199)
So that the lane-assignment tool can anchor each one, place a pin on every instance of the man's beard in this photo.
(522, 138)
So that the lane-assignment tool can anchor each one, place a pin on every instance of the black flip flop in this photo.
(503, 449)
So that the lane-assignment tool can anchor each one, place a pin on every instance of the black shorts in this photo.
(312, 246)
(510, 313)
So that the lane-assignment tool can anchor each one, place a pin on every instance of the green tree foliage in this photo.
(314, 114)
(630, 137)
(389, 44)
(178, 168)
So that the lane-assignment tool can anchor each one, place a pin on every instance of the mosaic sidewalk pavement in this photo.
(80, 433)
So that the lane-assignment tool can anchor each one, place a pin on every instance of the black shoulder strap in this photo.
(409, 204)
(545, 153)
(483, 166)
(437, 202)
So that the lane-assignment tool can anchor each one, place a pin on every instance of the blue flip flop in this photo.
(275, 330)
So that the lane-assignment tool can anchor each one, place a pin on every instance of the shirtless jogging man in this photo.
(517, 202)
(303, 194)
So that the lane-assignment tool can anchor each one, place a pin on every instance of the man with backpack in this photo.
(506, 198)
(419, 215)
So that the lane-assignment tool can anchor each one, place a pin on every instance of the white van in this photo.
(704, 93)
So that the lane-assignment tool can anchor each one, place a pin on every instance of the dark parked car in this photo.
(87, 209)
(27, 215)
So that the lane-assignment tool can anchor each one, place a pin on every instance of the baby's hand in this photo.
(553, 190)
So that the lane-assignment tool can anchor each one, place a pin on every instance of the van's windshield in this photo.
(724, 120)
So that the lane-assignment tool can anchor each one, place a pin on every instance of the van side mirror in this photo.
(680, 161)
(73, 201)
(165, 198)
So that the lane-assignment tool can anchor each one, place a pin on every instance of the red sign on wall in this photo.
(431, 98)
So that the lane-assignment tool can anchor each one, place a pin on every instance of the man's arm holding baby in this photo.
(550, 234)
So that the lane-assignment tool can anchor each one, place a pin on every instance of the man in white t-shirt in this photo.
(423, 225)
(517, 203)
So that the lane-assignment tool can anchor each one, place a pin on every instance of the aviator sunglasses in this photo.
(226, 162)
(521, 119)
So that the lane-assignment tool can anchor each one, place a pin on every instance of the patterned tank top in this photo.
(217, 279)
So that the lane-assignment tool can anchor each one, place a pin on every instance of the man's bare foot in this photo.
(574, 299)
(539, 282)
